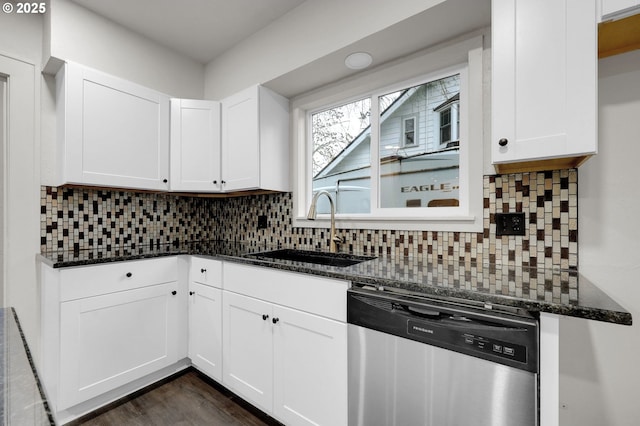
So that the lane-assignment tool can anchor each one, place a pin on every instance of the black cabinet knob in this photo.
(164, 181)
(503, 142)
(275, 320)
(191, 293)
(215, 182)
(223, 182)
(174, 292)
(129, 274)
(265, 317)
(203, 270)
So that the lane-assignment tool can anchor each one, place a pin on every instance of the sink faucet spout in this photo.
(334, 239)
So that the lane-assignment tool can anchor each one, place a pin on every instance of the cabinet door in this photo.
(310, 369)
(240, 141)
(247, 348)
(205, 329)
(544, 79)
(116, 133)
(110, 340)
(195, 145)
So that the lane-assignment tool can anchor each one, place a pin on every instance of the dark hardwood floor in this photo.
(186, 399)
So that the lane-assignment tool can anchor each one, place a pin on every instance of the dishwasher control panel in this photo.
(495, 347)
(447, 335)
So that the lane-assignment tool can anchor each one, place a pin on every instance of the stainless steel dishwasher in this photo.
(415, 361)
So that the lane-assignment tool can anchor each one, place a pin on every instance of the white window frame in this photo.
(454, 122)
(403, 136)
(464, 57)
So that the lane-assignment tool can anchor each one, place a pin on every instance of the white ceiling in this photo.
(200, 29)
(204, 29)
(438, 24)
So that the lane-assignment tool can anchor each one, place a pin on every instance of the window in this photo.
(449, 119)
(409, 132)
(425, 174)
(340, 156)
(445, 125)
(395, 152)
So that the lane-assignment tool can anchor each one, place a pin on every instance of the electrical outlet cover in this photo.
(510, 224)
(262, 222)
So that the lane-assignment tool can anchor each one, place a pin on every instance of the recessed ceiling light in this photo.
(358, 60)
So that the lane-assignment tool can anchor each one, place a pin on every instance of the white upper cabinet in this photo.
(115, 133)
(111, 132)
(195, 145)
(544, 83)
(255, 141)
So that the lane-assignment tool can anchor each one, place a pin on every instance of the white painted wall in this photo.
(308, 32)
(73, 33)
(599, 365)
(79, 35)
(20, 53)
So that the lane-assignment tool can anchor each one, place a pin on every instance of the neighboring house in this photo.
(419, 154)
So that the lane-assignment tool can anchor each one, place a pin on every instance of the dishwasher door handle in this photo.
(457, 322)
(419, 312)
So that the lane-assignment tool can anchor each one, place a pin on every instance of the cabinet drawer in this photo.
(317, 295)
(94, 280)
(206, 271)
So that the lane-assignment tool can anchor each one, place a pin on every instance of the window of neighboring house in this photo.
(445, 125)
(409, 138)
(449, 120)
(353, 146)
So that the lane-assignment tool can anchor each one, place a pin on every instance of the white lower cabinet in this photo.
(205, 316)
(290, 363)
(109, 329)
(106, 326)
(248, 348)
(309, 369)
(109, 340)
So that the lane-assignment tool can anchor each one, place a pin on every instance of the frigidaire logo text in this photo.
(424, 330)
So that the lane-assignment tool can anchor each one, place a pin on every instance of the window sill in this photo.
(435, 223)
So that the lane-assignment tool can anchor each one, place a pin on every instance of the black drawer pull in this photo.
(503, 142)
(191, 293)
(265, 317)
(203, 270)
(275, 320)
(129, 274)
(174, 292)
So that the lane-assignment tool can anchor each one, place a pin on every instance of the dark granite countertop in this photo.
(22, 400)
(561, 292)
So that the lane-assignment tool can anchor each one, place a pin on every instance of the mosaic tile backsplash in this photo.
(83, 218)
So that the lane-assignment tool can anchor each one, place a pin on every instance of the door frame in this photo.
(21, 194)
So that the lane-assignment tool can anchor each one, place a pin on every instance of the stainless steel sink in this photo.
(317, 257)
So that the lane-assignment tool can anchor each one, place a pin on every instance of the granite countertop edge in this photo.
(613, 314)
